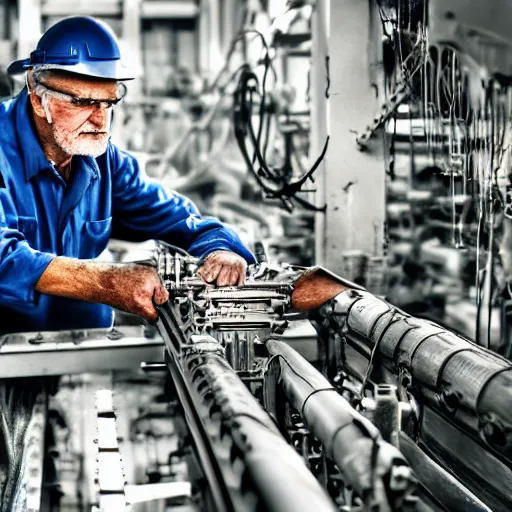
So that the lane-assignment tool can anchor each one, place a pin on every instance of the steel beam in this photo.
(69, 352)
(320, 61)
(354, 180)
(433, 477)
(175, 339)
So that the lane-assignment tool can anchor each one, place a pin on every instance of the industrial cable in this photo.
(263, 97)
(376, 346)
(240, 37)
(385, 19)
(243, 126)
(476, 147)
(280, 356)
(398, 32)
(278, 186)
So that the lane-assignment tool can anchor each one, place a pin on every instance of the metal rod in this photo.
(278, 473)
(454, 495)
(173, 338)
(349, 438)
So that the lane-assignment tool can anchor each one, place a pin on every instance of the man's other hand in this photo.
(224, 268)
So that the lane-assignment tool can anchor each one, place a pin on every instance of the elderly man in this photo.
(65, 189)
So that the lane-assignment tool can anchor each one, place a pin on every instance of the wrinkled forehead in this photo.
(79, 85)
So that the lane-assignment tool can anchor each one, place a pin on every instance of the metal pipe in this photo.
(454, 375)
(351, 440)
(174, 340)
(280, 477)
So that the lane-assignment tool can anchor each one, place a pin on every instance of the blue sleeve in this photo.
(20, 265)
(144, 209)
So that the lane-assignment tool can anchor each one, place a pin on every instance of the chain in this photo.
(399, 96)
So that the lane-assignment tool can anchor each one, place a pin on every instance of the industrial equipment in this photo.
(302, 390)
(371, 427)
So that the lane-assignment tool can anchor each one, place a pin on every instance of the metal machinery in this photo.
(374, 409)
(448, 162)
(391, 412)
(396, 413)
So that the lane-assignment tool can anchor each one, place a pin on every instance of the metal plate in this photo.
(70, 352)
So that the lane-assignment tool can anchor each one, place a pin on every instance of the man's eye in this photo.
(81, 102)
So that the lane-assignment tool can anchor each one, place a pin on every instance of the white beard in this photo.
(77, 145)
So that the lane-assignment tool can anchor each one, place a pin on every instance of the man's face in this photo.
(76, 129)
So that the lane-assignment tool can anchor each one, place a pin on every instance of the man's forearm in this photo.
(130, 287)
(314, 288)
(76, 279)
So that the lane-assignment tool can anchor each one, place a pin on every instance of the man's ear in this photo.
(35, 100)
(37, 105)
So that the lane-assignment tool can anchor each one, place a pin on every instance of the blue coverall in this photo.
(42, 216)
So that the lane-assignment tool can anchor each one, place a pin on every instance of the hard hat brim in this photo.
(107, 70)
(17, 67)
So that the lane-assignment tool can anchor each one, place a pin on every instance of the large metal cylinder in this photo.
(459, 378)
(368, 463)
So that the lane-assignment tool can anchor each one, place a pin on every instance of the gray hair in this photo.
(38, 89)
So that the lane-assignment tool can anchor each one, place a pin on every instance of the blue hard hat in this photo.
(78, 44)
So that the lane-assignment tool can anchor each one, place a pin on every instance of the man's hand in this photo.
(132, 288)
(128, 287)
(225, 268)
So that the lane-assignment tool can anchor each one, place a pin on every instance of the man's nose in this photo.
(99, 117)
